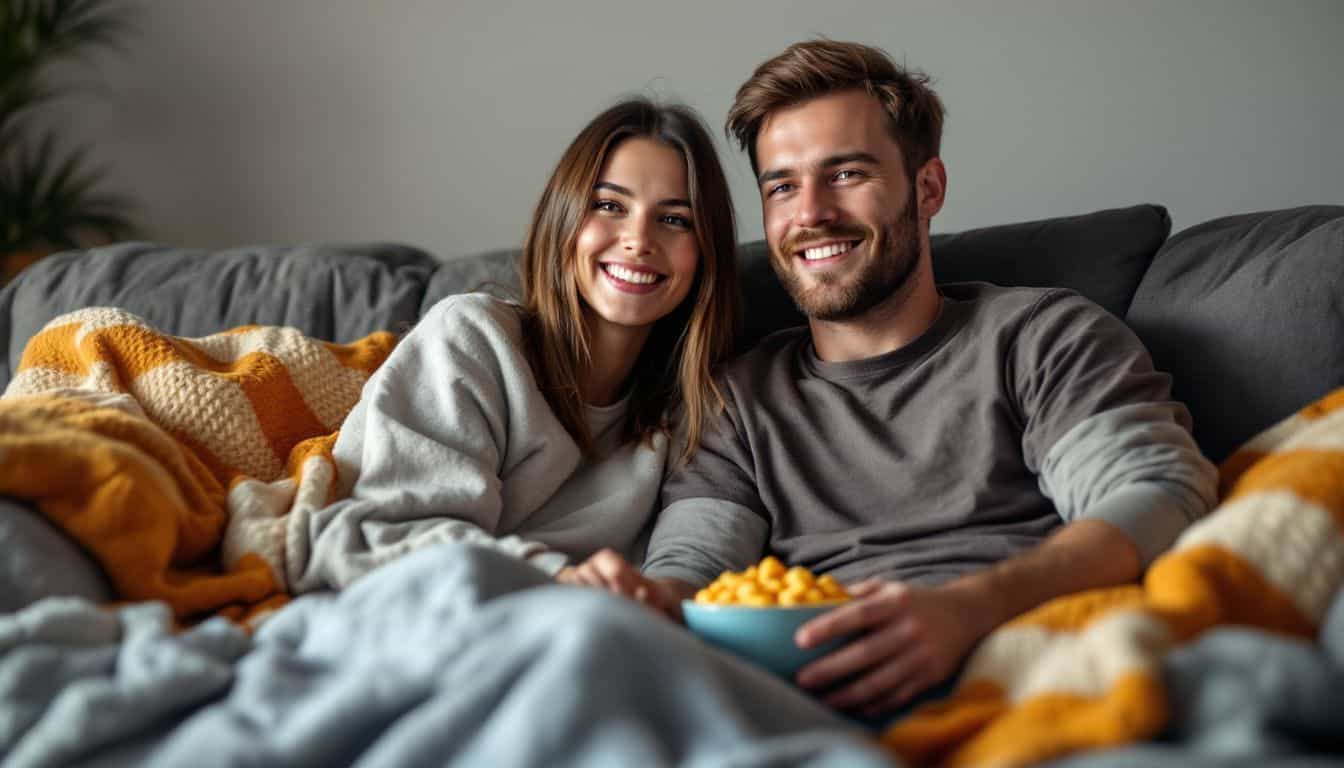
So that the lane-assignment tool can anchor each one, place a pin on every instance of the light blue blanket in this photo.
(462, 656)
(451, 656)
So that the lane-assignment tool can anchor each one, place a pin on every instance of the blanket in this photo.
(1086, 671)
(179, 464)
(450, 656)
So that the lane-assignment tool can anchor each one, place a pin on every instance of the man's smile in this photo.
(826, 253)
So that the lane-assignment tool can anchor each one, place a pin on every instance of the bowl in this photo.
(762, 635)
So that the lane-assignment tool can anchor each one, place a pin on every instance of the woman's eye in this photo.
(610, 206)
(680, 222)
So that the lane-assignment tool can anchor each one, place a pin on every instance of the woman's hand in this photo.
(608, 570)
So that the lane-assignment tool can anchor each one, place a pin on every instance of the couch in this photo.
(1246, 313)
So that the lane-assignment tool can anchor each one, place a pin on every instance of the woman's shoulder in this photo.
(478, 312)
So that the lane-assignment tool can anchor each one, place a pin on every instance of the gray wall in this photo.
(435, 123)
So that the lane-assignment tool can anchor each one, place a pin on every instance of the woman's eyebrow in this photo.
(617, 188)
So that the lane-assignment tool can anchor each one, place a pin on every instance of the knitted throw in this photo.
(177, 463)
(1083, 671)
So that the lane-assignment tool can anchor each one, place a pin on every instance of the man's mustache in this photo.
(805, 237)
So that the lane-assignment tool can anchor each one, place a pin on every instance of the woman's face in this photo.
(636, 250)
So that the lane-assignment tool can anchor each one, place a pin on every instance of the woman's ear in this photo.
(930, 188)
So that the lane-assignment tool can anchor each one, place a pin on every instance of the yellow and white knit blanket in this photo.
(1083, 671)
(177, 462)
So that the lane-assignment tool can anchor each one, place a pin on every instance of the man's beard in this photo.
(844, 294)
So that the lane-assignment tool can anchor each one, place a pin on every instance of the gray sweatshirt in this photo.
(1018, 411)
(452, 440)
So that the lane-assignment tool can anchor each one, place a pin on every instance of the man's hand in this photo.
(608, 570)
(908, 639)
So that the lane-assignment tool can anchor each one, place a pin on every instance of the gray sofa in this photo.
(1246, 313)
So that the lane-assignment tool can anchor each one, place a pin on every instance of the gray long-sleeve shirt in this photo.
(452, 440)
(1017, 411)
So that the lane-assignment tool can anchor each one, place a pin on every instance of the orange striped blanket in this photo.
(1083, 671)
(177, 462)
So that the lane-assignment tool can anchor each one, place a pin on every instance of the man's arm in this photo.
(916, 636)
(1113, 453)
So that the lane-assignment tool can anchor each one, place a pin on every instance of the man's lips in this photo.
(825, 250)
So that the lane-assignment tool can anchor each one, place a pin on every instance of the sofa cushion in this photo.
(1100, 255)
(1247, 314)
(337, 293)
(494, 272)
(42, 561)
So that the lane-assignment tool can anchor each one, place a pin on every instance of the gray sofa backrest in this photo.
(338, 293)
(1101, 255)
(1247, 315)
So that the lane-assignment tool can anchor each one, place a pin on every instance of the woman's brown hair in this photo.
(673, 371)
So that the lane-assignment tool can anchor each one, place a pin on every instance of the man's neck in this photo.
(887, 327)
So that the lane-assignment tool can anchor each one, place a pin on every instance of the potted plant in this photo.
(48, 195)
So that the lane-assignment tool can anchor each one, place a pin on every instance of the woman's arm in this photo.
(422, 455)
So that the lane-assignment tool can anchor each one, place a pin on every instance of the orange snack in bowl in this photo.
(770, 583)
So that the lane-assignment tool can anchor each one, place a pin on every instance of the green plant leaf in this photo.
(48, 196)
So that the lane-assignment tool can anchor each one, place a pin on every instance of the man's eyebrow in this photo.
(849, 157)
(617, 188)
(830, 162)
(771, 175)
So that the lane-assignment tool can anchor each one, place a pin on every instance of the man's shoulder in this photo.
(1014, 305)
(774, 354)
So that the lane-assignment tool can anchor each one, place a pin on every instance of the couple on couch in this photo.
(958, 454)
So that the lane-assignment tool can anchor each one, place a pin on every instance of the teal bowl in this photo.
(763, 636)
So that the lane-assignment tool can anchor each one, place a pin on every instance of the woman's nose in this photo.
(637, 236)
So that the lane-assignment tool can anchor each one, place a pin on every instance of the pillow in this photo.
(1247, 314)
(335, 293)
(1101, 255)
(493, 272)
(42, 561)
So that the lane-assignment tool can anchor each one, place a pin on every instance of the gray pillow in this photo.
(1101, 255)
(1247, 314)
(337, 293)
(494, 272)
(42, 561)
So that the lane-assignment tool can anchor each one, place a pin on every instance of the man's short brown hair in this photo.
(818, 67)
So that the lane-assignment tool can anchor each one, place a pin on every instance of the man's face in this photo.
(840, 213)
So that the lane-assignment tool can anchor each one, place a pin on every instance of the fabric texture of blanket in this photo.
(179, 463)
(451, 656)
(1085, 671)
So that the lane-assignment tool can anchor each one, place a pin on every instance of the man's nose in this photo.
(816, 205)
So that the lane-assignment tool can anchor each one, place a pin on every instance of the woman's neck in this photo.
(614, 349)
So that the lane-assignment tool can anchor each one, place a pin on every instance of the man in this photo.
(958, 454)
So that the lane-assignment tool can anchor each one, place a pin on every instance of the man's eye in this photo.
(610, 206)
(848, 173)
(779, 189)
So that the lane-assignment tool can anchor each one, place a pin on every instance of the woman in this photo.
(541, 429)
